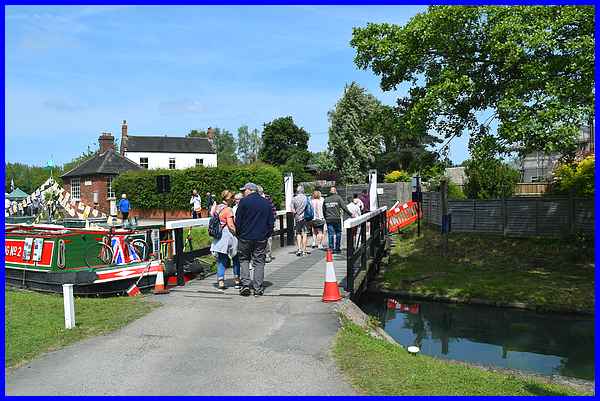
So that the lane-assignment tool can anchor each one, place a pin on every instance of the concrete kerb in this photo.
(352, 312)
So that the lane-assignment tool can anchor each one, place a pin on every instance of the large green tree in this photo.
(283, 141)
(224, 142)
(249, 143)
(351, 140)
(529, 71)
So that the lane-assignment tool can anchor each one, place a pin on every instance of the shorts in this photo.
(301, 227)
(318, 225)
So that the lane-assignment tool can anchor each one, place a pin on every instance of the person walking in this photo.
(236, 201)
(299, 204)
(332, 207)
(196, 205)
(353, 207)
(356, 199)
(35, 205)
(269, 256)
(254, 221)
(226, 247)
(318, 223)
(364, 198)
(124, 207)
(210, 201)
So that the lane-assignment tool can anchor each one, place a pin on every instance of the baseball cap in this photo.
(249, 185)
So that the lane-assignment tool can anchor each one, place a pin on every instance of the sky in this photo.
(73, 72)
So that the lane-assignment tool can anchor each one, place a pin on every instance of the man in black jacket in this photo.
(332, 209)
(254, 225)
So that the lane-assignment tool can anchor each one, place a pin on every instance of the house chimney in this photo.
(106, 142)
(124, 138)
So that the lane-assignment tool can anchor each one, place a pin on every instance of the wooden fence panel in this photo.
(516, 217)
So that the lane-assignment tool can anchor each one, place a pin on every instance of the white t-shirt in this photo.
(360, 203)
(196, 202)
(354, 209)
(317, 205)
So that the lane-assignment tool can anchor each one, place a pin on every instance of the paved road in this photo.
(202, 342)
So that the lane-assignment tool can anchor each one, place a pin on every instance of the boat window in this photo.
(60, 258)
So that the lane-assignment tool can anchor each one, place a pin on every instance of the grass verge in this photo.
(549, 274)
(376, 367)
(34, 322)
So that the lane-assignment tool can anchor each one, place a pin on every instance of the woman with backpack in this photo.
(224, 246)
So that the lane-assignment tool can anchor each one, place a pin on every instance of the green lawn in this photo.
(550, 274)
(34, 322)
(376, 367)
(200, 238)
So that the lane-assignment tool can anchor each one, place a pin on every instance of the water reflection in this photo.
(510, 338)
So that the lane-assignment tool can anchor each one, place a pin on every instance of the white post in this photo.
(288, 182)
(69, 306)
(374, 205)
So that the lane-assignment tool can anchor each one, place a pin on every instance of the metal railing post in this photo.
(349, 263)
(363, 246)
(281, 232)
(179, 255)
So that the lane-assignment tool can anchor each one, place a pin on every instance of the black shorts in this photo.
(301, 227)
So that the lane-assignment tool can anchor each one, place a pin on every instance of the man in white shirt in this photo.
(196, 204)
(354, 209)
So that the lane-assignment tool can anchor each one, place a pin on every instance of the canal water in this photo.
(545, 344)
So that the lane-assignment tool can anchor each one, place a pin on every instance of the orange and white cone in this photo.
(159, 284)
(331, 292)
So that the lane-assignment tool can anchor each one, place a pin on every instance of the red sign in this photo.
(14, 253)
(400, 216)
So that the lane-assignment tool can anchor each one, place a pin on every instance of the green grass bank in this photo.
(377, 367)
(545, 274)
(34, 322)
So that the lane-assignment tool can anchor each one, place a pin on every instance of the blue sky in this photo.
(74, 72)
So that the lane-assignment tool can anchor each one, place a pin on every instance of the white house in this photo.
(154, 152)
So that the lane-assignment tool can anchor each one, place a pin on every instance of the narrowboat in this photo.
(97, 261)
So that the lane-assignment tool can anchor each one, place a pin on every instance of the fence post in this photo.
(504, 217)
(69, 304)
(474, 215)
(290, 228)
(179, 255)
(537, 228)
(445, 222)
(571, 212)
(363, 246)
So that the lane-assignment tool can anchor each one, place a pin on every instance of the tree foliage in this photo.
(283, 141)
(352, 142)
(224, 142)
(530, 69)
(577, 178)
(249, 144)
(489, 179)
(397, 176)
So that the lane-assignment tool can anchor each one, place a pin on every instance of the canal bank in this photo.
(376, 364)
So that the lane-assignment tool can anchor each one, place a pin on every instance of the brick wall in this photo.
(87, 191)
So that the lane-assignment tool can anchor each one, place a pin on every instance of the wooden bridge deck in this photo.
(286, 275)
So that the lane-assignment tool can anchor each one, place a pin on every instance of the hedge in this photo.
(140, 186)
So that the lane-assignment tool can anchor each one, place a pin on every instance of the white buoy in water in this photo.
(413, 349)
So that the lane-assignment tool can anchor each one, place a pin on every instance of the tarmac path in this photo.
(206, 342)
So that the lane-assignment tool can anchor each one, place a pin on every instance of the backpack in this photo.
(309, 212)
(215, 229)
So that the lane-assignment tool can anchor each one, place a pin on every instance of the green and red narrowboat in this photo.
(96, 261)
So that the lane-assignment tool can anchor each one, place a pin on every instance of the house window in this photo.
(199, 162)
(75, 189)
(172, 163)
(144, 162)
(109, 188)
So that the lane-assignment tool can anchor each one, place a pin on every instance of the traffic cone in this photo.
(159, 284)
(331, 292)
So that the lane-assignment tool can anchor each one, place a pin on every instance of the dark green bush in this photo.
(140, 186)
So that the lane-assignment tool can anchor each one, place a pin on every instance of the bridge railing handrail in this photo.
(356, 221)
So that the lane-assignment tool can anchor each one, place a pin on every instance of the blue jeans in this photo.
(223, 261)
(337, 228)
